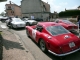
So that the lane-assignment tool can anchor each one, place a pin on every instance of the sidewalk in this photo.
(13, 48)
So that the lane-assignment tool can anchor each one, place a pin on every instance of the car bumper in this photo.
(18, 26)
(64, 53)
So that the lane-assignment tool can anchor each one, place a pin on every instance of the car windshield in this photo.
(66, 21)
(17, 20)
(26, 18)
(56, 30)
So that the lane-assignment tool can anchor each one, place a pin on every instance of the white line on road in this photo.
(3, 26)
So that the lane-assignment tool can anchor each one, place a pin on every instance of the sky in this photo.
(55, 5)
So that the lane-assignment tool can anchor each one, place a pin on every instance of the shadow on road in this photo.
(74, 56)
(17, 29)
(10, 45)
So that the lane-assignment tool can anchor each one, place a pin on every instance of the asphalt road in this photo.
(35, 50)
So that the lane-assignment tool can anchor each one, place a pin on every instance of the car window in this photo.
(57, 21)
(66, 21)
(56, 30)
(39, 28)
(17, 20)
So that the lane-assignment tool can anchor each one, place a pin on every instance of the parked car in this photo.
(54, 38)
(3, 19)
(15, 23)
(29, 22)
(38, 19)
(67, 24)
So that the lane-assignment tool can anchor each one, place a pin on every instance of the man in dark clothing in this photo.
(78, 20)
(10, 20)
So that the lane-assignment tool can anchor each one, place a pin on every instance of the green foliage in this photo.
(2, 14)
(69, 13)
(2, 0)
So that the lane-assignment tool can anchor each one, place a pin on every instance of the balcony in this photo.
(8, 9)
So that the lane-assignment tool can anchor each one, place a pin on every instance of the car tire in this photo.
(42, 45)
(27, 33)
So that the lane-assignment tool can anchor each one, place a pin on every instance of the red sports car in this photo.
(67, 24)
(54, 38)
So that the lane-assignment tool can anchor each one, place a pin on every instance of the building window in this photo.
(9, 7)
(12, 12)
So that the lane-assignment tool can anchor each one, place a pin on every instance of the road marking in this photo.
(3, 26)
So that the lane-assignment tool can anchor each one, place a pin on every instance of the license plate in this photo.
(72, 44)
(73, 28)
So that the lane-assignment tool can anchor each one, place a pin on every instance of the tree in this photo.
(2, 14)
(68, 13)
(2, 0)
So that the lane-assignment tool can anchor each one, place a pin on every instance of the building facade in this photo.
(36, 8)
(13, 10)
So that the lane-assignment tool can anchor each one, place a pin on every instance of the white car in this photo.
(3, 19)
(29, 22)
(15, 23)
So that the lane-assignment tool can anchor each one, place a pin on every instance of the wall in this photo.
(17, 11)
(28, 6)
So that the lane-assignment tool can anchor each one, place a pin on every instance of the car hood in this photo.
(19, 23)
(65, 38)
(30, 21)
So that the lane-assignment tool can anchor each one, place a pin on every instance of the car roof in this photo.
(46, 24)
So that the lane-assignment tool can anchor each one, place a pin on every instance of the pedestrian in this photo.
(10, 20)
(78, 20)
(32, 17)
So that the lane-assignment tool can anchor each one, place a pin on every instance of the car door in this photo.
(36, 33)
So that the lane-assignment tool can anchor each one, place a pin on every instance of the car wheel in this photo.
(11, 26)
(42, 45)
(27, 33)
(27, 24)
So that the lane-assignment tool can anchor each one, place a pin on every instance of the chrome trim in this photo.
(64, 53)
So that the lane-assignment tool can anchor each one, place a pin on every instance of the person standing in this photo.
(32, 17)
(78, 20)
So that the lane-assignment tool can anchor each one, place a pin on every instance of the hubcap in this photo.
(42, 45)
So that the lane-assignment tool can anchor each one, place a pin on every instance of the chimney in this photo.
(10, 2)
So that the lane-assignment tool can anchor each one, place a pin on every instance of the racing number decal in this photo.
(34, 34)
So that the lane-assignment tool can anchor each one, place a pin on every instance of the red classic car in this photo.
(54, 38)
(67, 24)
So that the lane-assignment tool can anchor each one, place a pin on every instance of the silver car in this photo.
(29, 22)
(15, 23)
